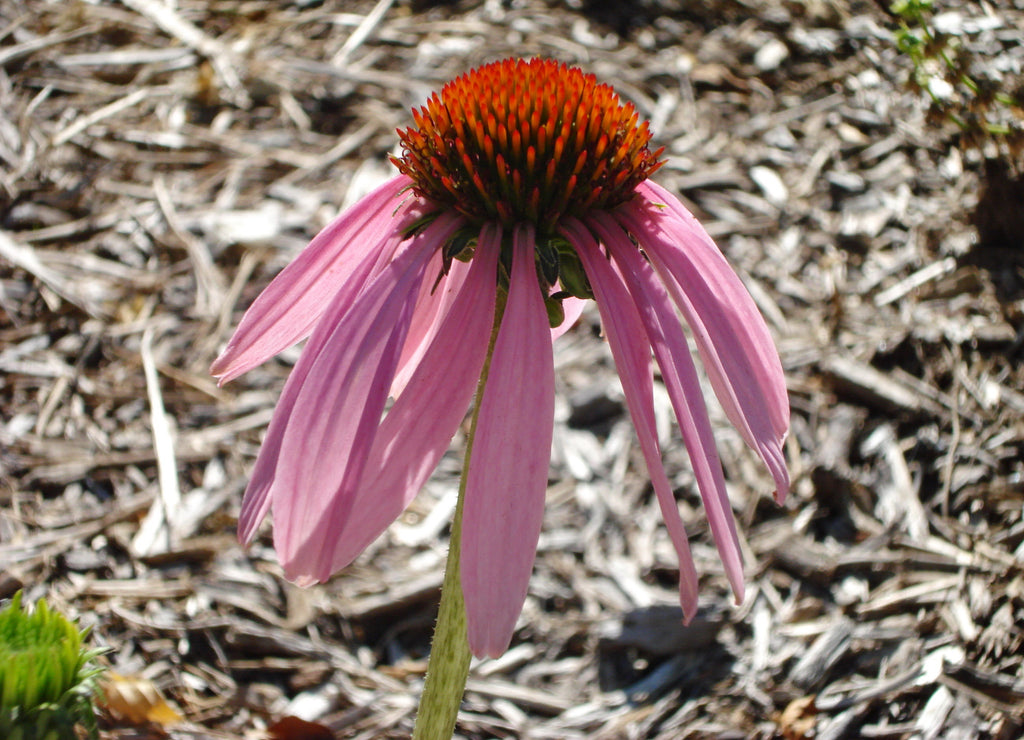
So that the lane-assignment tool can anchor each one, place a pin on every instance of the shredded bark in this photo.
(162, 161)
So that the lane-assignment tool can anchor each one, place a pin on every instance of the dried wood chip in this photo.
(811, 670)
(863, 382)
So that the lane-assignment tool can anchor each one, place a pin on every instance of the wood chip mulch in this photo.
(161, 161)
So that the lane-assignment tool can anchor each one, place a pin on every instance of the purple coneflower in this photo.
(523, 191)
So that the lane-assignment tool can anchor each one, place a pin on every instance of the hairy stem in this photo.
(448, 665)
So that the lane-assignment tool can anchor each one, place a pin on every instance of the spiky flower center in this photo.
(526, 142)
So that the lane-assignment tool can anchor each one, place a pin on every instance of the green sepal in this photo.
(553, 306)
(571, 275)
(547, 262)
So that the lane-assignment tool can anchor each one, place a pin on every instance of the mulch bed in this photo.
(161, 162)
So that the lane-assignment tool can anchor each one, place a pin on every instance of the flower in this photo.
(47, 676)
(523, 185)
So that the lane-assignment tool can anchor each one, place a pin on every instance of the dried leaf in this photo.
(796, 721)
(136, 700)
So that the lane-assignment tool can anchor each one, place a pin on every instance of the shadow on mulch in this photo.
(648, 652)
(999, 219)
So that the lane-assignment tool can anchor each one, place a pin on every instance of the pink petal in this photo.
(732, 337)
(256, 501)
(333, 404)
(508, 466)
(419, 426)
(349, 249)
(680, 376)
(630, 348)
(334, 421)
(573, 308)
(434, 301)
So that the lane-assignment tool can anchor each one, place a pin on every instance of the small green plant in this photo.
(959, 85)
(47, 676)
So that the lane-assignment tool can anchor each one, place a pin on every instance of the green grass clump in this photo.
(961, 85)
(47, 676)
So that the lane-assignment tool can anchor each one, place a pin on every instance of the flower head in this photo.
(526, 142)
(523, 190)
(47, 676)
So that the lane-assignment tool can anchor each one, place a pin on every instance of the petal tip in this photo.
(486, 643)
(689, 612)
(486, 652)
(221, 370)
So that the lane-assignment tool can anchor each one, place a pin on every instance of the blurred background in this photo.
(859, 165)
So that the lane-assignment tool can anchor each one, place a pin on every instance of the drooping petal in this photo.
(665, 332)
(256, 501)
(419, 426)
(733, 340)
(436, 296)
(348, 249)
(746, 313)
(630, 347)
(573, 309)
(337, 408)
(508, 465)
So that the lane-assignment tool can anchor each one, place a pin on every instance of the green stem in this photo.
(448, 665)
